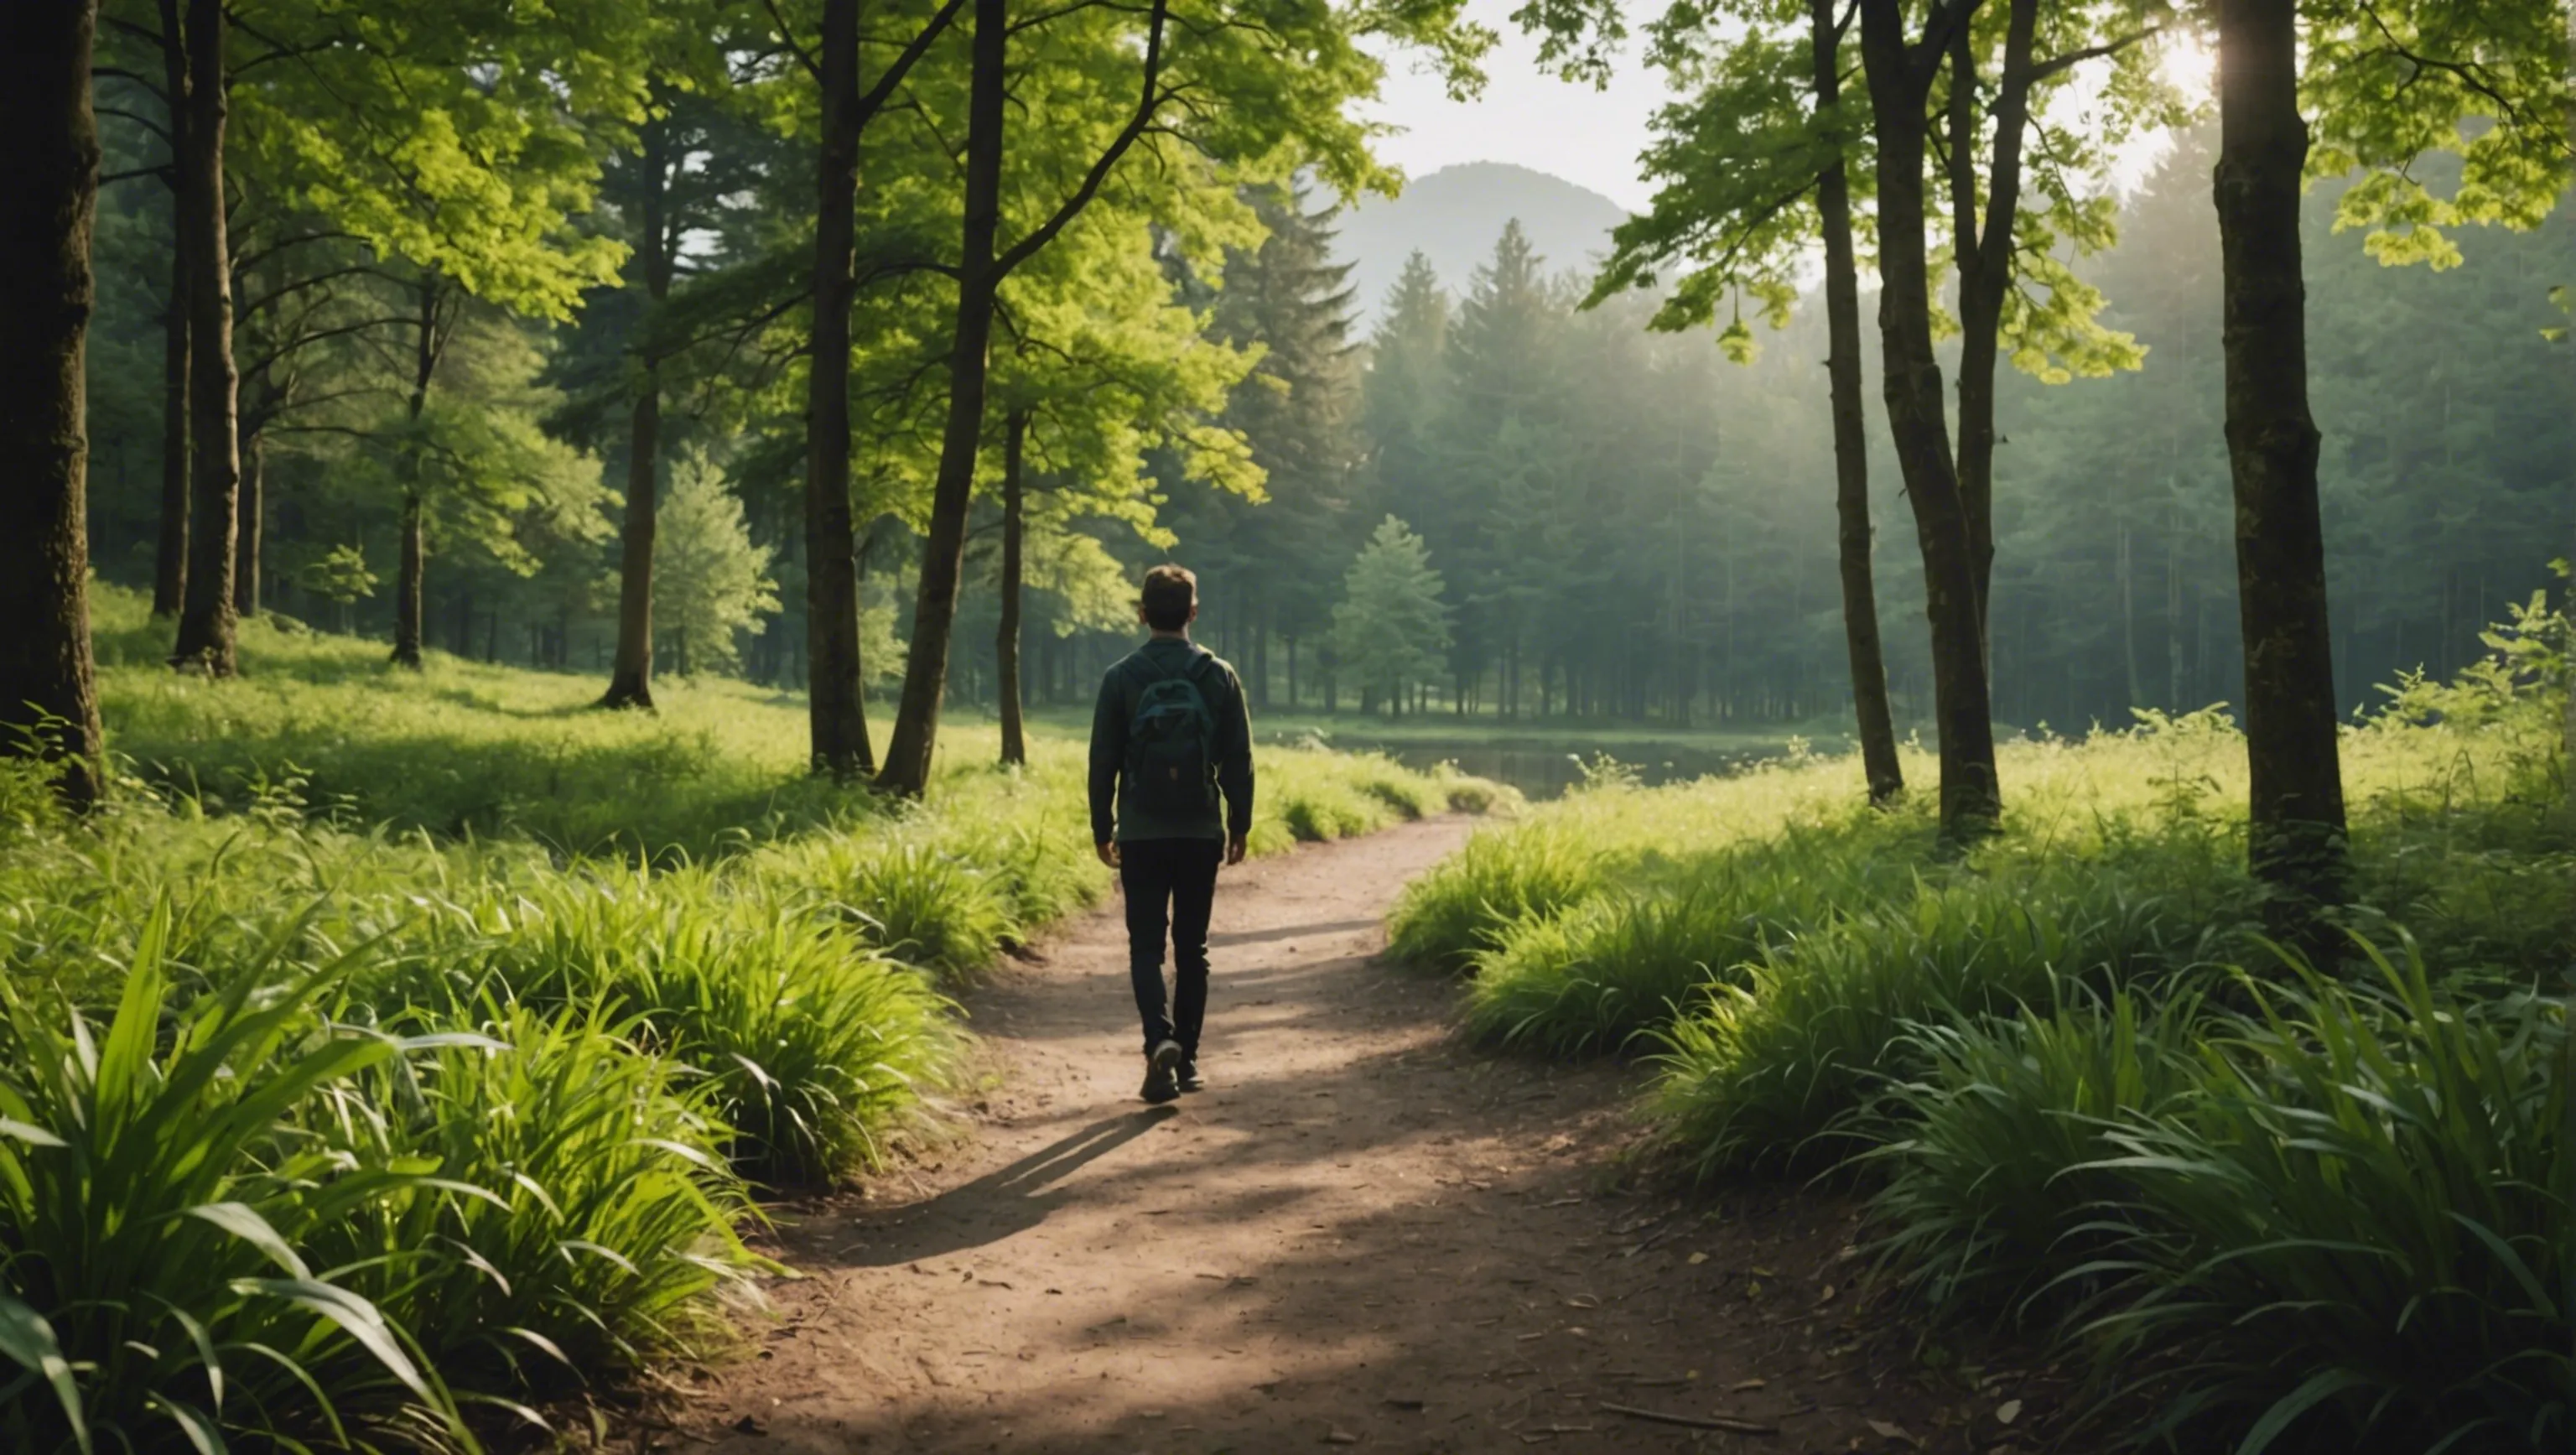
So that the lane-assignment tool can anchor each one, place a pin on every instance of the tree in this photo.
(1391, 629)
(1742, 208)
(710, 582)
(2488, 81)
(1251, 84)
(1901, 76)
(835, 700)
(660, 153)
(207, 616)
(49, 173)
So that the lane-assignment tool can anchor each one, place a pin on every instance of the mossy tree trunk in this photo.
(49, 174)
(2297, 821)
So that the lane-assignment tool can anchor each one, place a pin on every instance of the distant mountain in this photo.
(1453, 216)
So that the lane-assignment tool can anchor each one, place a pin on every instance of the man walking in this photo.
(1170, 734)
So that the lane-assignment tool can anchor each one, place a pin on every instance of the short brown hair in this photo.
(1170, 594)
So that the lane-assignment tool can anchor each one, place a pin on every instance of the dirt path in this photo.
(1364, 1233)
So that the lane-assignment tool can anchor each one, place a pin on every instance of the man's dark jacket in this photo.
(1113, 815)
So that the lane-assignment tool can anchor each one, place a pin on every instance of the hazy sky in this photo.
(1573, 131)
(1582, 134)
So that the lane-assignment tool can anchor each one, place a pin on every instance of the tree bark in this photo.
(407, 587)
(415, 555)
(49, 174)
(1879, 763)
(170, 556)
(1899, 85)
(206, 617)
(1006, 639)
(1985, 262)
(2297, 828)
(254, 481)
(836, 705)
(943, 559)
(630, 682)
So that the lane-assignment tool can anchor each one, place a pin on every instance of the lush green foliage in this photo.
(386, 1126)
(2270, 1197)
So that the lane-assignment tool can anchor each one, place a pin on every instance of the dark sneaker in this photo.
(1160, 1084)
(1189, 1075)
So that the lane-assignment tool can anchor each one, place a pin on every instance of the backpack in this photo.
(1171, 746)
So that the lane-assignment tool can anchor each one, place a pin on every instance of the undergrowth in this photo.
(2086, 1097)
(399, 1052)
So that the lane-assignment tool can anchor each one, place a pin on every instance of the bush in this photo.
(2344, 1211)
(582, 1212)
(812, 1043)
(1819, 1026)
(154, 1197)
(1502, 878)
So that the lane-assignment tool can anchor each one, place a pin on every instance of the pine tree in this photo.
(1392, 626)
(710, 582)
(1298, 411)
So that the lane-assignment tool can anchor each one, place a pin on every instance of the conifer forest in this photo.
(1913, 795)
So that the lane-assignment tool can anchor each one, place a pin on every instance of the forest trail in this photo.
(1363, 1233)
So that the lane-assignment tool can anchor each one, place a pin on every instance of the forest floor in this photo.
(1365, 1232)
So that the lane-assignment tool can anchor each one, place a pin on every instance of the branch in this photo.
(1148, 102)
(244, 262)
(2055, 65)
(162, 172)
(141, 120)
(283, 291)
(787, 38)
(2468, 73)
(875, 99)
(341, 331)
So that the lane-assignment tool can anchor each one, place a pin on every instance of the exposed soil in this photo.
(1364, 1233)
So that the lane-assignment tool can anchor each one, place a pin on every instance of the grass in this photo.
(2316, 1204)
(452, 1028)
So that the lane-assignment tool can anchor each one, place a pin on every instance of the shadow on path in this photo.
(1291, 932)
(1006, 1201)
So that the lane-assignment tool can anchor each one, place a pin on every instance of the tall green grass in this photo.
(453, 1028)
(2344, 1208)
(2328, 1205)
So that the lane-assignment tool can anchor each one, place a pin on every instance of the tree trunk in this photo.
(415, 556)
(407, 587)
(170, 555)
(1006, 638)
(49, 173)
(1971, 798)
(1879, 763)
(1985, 262)
(943, 558)
(254, 483)
(206, 618)
(630, 682)
(836, 706)
(2297, 827)
(2129, 620)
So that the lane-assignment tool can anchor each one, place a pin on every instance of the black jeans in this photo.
(1177, 876)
